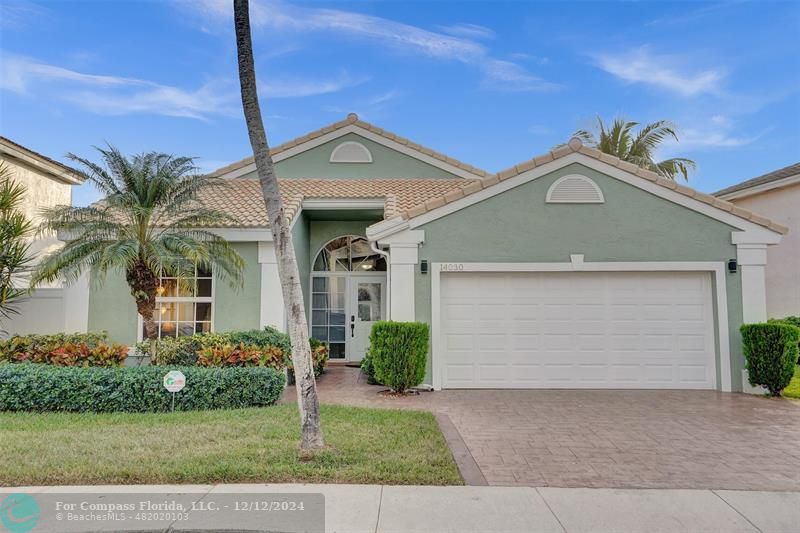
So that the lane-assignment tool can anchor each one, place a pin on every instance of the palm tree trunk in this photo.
(143, 282)
(306, 386)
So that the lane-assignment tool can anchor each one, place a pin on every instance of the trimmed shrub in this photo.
(266, 337)
(791, 320)
(399, 353)
(771, 352)
(29, 387)
(171, 351)
(77, 349)
(369, 369)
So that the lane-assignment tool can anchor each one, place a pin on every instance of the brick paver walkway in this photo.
(595, 438)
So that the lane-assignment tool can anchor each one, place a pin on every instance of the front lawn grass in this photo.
(793, 390)
(243, 445)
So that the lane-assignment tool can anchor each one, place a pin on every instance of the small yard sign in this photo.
(174, 381)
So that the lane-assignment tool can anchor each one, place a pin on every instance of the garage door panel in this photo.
(587, 329)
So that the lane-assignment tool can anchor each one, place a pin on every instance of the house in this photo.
(48, 183)
(570, 270)
(778, 194)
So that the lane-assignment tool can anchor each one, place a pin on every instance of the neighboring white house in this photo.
(48, 183)
(776, 195)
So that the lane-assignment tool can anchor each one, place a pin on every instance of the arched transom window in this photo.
(350, 253)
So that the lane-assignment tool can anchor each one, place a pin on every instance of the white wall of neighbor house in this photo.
(41, 192)
(45, 310)
(783, 260)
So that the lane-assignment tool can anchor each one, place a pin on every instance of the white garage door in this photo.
(577, 330)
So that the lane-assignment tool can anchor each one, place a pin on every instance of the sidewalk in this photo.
(403, 509)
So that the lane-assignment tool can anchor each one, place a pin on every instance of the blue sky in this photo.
(490, 83)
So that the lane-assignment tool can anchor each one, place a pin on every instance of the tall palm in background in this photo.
(620, 140)
(15, 232)
(149, 222)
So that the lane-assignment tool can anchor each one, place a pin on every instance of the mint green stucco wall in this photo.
(632, 225)
(386, 163)
(237, 309)
(300, 236)
(111, 306)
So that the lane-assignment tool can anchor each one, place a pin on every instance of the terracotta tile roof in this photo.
(352, 118)
(777, 175)
(241, 198)
(71, 173)
(575, 145)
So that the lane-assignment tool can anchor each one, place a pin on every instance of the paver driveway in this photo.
(582, 438)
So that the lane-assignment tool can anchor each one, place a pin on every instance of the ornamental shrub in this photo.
(39, 348)
(28, 387)
(241, 355)
(771, 352)
(399, 353)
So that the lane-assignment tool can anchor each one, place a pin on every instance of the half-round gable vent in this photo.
(351, 152)
(574, 189)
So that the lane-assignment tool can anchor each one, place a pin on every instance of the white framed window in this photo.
(184, 305)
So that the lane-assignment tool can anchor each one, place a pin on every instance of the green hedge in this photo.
(369, 369)
(791, 320)
(29, 387)
(771, 352)
(399, 352)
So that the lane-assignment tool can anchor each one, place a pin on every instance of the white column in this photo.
(76, 305)
(272, 312)
(403, 258)
(752, 259)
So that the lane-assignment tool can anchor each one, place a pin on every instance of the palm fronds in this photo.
(639, 148)
(150, 221)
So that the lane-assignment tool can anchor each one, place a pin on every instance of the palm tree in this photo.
(638, 148)
(15, 243)
(307, 400)
(150, 221)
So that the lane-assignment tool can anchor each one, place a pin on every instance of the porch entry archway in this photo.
(348, 289)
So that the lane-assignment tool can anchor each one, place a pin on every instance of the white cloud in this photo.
(383, 98)
(470, 31)
(115, 95)
(716, 131)
(17, 14)
(641, 65)
(298, 88)
(508, 76)
(276, 15)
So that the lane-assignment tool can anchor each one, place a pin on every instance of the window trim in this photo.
(183, 299)
(350, 271)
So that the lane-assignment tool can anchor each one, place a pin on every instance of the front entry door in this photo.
(367, 306)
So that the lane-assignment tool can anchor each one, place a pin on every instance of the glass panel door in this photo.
(367, 308)
(328, 313)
